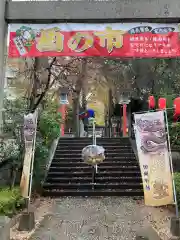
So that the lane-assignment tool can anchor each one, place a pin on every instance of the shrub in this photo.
(40, 161)
(48, 129)
(174, 132)
(177, 184)
(49, 123)
(10, 201)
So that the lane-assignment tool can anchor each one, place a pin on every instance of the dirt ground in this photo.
(95, 218)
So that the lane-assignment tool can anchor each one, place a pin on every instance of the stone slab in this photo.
(147, 233)
(4, 228)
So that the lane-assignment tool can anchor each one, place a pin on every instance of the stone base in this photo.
(4, 228)
(147, 234)
(27, 222)
(175, 226)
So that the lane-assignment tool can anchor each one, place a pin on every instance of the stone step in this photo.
(107, 150)
(106, 179)
(70, 139)
(109, 154)
(107, 147)
(118, 175)
(82, 174)
(98, 140)
(93, 193)
(89, 168)
(83, 164)
(107, 158)
(84, 144)
(100, 186)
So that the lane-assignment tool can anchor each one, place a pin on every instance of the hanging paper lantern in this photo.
(152, 102)
(162, 103)
(177, 106)
(93, 154)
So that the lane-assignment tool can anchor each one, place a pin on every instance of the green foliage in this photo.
(49, 123)
(13, 118)
(169, 98)
(10, 201)
(174, 132)
(10, 150)
(41, 156)
(47, 130)
(147, 76)
(177, 184)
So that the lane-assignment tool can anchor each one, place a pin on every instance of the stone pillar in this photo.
(3, 32)
(4, 228)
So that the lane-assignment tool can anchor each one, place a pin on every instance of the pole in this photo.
(3, 32)
(124, 119)
(94, 141)
(63, 113)
(93, 177)
(32, 164)
(171, 165)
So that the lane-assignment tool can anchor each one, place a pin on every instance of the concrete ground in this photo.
(92, 219)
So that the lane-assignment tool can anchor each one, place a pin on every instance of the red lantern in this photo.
(152, 102)
(177, 106)
(162, 103)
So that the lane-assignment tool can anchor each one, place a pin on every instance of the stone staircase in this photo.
(118, 175)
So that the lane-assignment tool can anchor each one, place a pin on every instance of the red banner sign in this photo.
(118, 40)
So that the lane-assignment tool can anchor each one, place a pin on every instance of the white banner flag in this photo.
(151, 141)
(30, 126)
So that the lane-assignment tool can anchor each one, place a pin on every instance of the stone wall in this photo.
(5, 167)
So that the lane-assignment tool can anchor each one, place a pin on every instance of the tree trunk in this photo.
(84, 102)
(78, 88)
(84, 87)
(76, 116)
(13, 177)
(106, 134)
(110, 111)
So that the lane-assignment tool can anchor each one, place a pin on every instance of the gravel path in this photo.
(92, 219)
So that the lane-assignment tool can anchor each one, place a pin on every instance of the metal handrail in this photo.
(94, 132)
(94, 139)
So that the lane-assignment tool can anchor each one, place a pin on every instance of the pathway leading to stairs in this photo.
(93, 219)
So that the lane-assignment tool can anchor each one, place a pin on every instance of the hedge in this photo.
(10, 201)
